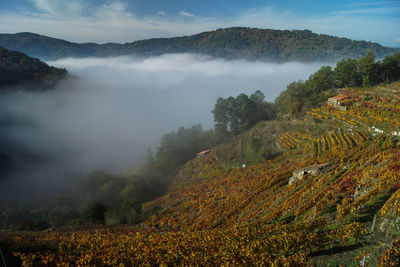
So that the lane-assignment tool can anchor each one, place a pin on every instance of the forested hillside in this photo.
(43, 47)
(18, 68)
(262, 44)
(230, 43)
(28, 73)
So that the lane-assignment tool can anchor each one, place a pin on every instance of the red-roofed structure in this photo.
(202, 153)
(338, 97)
(335, 101)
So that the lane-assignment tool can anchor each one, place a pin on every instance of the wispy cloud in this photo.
(369, 3)
(186, 14)
(374, 11)
(161, 13)
(108, 22)
(49, 7)
(58, 8)
(358, 25)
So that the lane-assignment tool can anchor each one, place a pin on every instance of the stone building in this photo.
(313, 170)
(335, 101)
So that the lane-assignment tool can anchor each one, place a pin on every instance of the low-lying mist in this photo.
(113, 109)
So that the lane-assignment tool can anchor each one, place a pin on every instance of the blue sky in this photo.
(128, 20)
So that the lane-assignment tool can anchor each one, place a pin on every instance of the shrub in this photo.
(94, 212)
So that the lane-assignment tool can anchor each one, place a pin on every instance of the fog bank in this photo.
(116, 108)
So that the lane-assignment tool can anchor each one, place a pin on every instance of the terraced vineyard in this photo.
(253, 215)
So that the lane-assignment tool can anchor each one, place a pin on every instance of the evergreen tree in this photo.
(346, 73)
(365, 66)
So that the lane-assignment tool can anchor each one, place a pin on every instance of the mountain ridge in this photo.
(18, 68)
(229, 43)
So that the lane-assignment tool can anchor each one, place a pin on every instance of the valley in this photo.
(318, 189)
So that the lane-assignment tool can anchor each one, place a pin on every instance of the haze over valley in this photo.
(114, 109)
(196, 136)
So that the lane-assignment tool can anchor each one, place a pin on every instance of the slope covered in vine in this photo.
(329, 194)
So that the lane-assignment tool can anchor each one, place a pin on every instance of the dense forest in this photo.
(18, 68)
(230, 43)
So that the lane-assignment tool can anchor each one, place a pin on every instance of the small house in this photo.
(335, 101)
(203, 153)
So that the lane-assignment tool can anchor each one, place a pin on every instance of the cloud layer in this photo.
(117, 108)
(114, 110)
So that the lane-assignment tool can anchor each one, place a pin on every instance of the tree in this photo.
(346, 73)
(301, 96)
(268, 111)
(150, 157)
(321, 80)
(377, 73)
(257, 97)
(292, 100)
(221, 118)
(246, 111)
(233, 116)
(391, 67)
(178, 147)
(95, 212)
(365, 65)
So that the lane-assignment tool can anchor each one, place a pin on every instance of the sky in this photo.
(122, 21)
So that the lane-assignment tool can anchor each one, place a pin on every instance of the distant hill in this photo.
(230, 43)
(43, 47)
(18, 68)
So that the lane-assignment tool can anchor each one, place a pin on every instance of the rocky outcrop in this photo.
(313, 170)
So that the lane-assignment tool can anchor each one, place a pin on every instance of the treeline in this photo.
(118, 199)
(233, 116)
(115, 199)
(18, 68)
(176, 148)
(301, 96)
(102, 199)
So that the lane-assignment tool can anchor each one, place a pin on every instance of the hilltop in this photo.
(18, 68)
(229, 43)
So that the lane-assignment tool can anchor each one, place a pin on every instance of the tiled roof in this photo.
(204, 152)
(338, 97)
